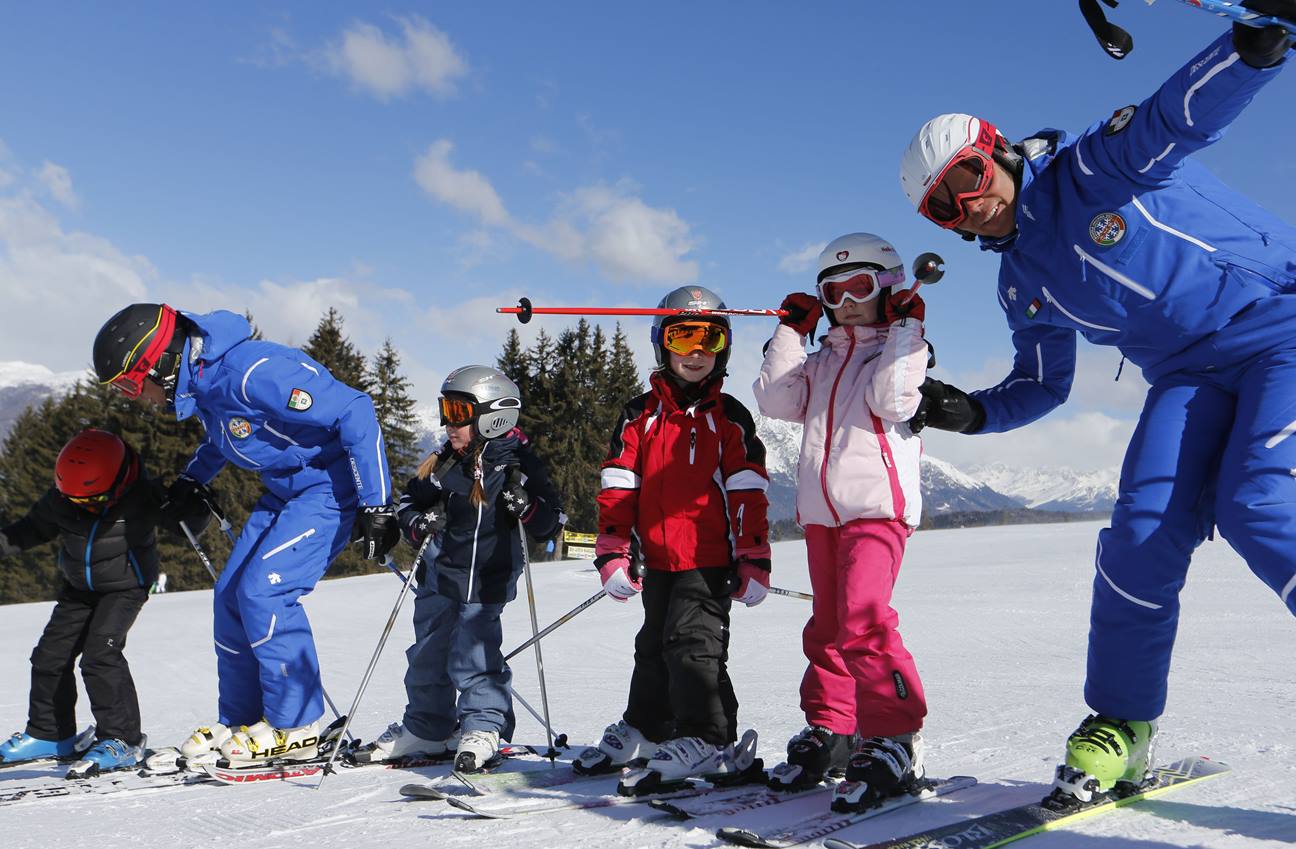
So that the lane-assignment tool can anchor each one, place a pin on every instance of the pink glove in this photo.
(753, 582)
(614, 571)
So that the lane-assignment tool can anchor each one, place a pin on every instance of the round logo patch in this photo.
(240, 427)
(1120, 119)
(1106, 229)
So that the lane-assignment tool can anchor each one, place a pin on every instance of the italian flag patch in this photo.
(1033, 308)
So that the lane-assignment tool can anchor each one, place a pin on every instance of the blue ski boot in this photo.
(108, 755)
(23, 747)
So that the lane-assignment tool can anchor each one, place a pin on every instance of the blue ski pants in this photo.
(456, 674)
(1215, 445)
(265, 652)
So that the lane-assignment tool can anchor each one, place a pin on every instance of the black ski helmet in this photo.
(140, 342)
(691, 298)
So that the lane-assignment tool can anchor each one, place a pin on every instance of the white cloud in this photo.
(420, 57)
(799, 262)
(608, 225)
(58, 182)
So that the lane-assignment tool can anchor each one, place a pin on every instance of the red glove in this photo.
(753, 582)
(803, 312)
(904, 304)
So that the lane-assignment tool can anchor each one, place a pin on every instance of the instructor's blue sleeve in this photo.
(206, 463)
(1191, 110)
(1043, 367)
(301, 392)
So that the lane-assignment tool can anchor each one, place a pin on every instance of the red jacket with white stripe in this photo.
(855, 395)
(688, 481)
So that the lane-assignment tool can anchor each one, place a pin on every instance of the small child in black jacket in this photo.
(105, 511)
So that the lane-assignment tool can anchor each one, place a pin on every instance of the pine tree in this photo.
(390, 391)
(330, 347)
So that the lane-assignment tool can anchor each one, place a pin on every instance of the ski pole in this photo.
(791, 593)
(198, 549)
(561, 620)
(1118, 43)
(535, 640)
(373, 661)
(559, 740)
(524, 310)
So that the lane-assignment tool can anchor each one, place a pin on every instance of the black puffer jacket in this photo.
(100, 552)
(480, 554)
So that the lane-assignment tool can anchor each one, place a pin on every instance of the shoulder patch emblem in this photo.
(300, 400)
(1106, 229)
(1120, 119)
(240, 427)
(1033, 308)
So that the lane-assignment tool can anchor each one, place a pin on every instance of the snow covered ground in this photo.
(996, 618)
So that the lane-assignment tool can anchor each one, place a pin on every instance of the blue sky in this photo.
(418, 164)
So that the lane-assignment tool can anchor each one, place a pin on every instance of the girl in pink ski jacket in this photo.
(858, 500)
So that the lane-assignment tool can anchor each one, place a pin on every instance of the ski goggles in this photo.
(89, 500)
(457, 412)
(966, 177)
(137, 365)
(685, 337)
(860, 284)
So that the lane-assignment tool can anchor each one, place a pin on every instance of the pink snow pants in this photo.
(861, 677)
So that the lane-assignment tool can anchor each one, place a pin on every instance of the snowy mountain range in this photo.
(946, 489)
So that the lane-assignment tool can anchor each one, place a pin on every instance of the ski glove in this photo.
(517, 501)
(417, 529)
(615, 573)
(188, 501)
(1264, 47)
(946, 407)
(905, 304)
(753, 581)
(377, 531)
(803, 312)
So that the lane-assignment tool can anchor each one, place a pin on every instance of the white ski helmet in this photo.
(496, 400)
(853, 252)
(934, 146)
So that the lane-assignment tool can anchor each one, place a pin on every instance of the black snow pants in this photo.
(680, 686)
(92, 625)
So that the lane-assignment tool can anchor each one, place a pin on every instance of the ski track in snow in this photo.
(996, 618)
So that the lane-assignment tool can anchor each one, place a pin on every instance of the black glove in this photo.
(946, 407)
(1263, 47)
(515, 499)
(189, 501)
(418, 525)
(377, 531)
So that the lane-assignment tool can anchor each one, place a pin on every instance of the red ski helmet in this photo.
(95, 468)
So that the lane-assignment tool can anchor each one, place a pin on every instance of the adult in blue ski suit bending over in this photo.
(318, 448)
(1118, 235)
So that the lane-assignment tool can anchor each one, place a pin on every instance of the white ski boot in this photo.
(676, 761)
(261, 742)
(880, 768)
(399, 743)
(622, 743)
(208, 738)
(478, 750)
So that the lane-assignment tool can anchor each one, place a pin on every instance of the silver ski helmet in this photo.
(481, 396)
(691, 298)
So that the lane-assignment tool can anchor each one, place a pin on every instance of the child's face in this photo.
(693, 367)
(460, 436)
(853, 313)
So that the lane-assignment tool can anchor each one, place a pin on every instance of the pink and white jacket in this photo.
(854, 396)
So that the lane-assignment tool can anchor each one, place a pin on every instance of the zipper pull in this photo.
(692, 445)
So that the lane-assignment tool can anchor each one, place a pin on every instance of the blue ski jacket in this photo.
(1126, 240)
(274, 410)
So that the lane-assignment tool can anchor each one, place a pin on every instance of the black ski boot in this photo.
(814, 755)
(880, 768)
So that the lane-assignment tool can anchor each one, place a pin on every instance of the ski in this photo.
(1005, 826)
(270, 772)
(118, 781)
(827, 822)
(750, 800)
(486, 783)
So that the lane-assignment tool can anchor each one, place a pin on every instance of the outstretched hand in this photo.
(903, 304)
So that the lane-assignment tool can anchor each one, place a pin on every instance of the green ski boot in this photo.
(1106, 753)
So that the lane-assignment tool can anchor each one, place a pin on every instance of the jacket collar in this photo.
(674, 398)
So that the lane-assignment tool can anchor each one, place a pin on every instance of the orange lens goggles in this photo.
(685, 337)
(457, 412)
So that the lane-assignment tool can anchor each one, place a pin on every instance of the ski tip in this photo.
(741, 837)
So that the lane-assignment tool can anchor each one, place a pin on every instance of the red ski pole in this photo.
(524, 310)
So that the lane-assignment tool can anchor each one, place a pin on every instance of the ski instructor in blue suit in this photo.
(1119, 236)
(318, 448)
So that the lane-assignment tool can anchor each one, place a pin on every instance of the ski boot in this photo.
(106, 756)
(22, 747)
(478, 751)
(676, 761)
(621, 745)
(880, 768)
(201, 748)
(814, 755)
(261, 742)
(1104, 756)
(398, 743)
